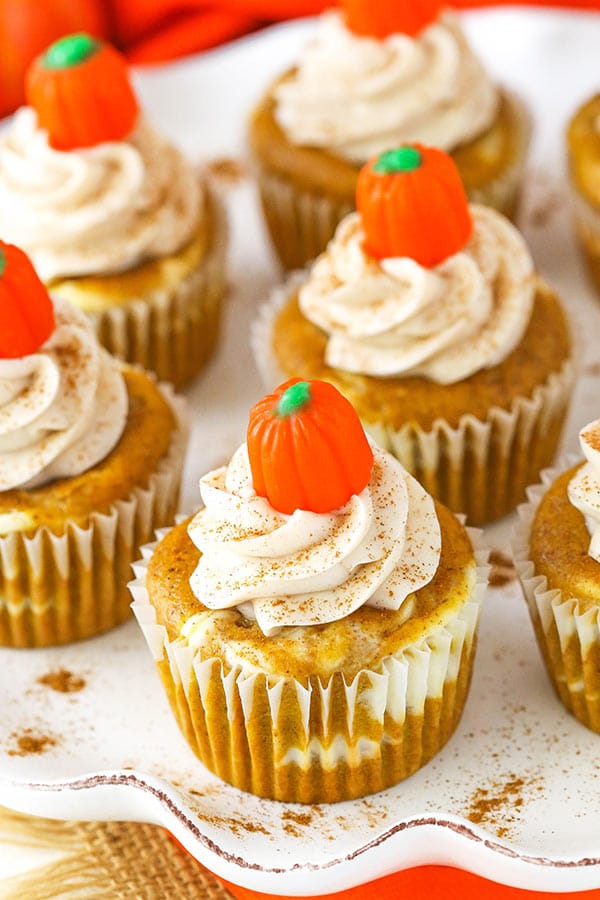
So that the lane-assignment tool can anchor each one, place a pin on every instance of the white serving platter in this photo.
(112, 750)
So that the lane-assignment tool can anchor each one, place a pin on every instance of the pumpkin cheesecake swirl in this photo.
(584, 487)
(62, 408)
(357, 96)
(310, 568)
(393, 317)
(98, 210)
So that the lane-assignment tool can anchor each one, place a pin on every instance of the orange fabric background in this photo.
(431, 882)
(152, 30)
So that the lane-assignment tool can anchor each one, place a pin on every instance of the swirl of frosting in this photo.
(584, 487)
(99, 210)
(312, 568)
(357, 96)
(62, 408)
(394, 317)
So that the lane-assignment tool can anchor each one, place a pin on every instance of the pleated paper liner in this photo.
(480, 467)
(568, 638)
(60, 588)
(587, 224)
(301, 222)
(503, 192)
(172, 332)
(323, 741)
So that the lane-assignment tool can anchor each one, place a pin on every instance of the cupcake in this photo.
(426, 313)
(376, 75)
(583, 144)
(90, 464)
(557, 552)
(315, 623)
(113, 217)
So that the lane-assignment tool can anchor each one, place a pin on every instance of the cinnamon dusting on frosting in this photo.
(311, 568)
(584, 487)
(394, 317)
(357, 96)
(62, 408)
(97, 211)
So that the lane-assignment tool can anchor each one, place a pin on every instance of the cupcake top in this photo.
(308, 523)
(584, 487)
(86, 185)
(378, 74)
(417, 282)
(63, 402)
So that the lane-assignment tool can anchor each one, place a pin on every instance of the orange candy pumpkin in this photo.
(307, 448)
(412, 203)
(27, 26)
(81, 92)
(380, 18)
(26, 311)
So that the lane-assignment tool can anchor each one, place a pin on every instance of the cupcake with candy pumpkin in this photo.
(583, 146)
(557, 553)
(314, 624)
(426, 312)
(378, 74)
(90, 464)
(113, 217)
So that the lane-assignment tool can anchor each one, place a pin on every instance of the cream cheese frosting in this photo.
(357, 96)
(311, 568)
(98, 210)
(394, 317)
(584, 487)
(62, 408)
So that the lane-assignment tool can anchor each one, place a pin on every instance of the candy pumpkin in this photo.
(412, 203)
(26, 311)
(307, 448)
(81, 92)
(27, 26)
(380, 18)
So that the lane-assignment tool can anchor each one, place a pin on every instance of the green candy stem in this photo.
(404, 159)
(295, 398)
(70, 51)
(2, 261)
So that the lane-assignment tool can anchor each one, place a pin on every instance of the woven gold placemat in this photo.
(109, 860)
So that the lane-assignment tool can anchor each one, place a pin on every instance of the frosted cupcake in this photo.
(583, 145)
(376, 75)
(557, 550)
(426, 312)
(314, 624)
(90, 464)
(113, 217)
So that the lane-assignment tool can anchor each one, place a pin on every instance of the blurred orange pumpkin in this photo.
(28, 26)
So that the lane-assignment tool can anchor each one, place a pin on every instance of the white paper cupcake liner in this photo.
(569, 638)
(60, 588)
(503, 192)
(301, 222)
(480, 467)
(322, 741)
(587, 225)
(172, 332)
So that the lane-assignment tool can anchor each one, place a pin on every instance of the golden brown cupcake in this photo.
(112, 215)
(427, 314)
(583, 144)
(377, 75)
(557, 551)
(315, 623)
(90, 465)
